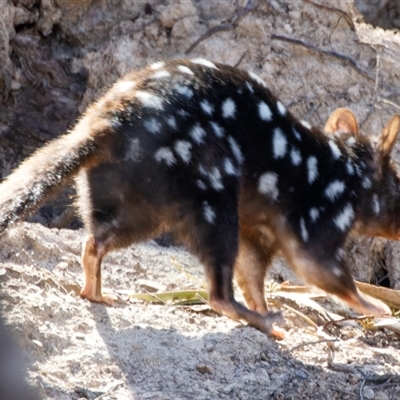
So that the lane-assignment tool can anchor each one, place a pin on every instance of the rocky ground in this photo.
(55, 58)
(146, 351)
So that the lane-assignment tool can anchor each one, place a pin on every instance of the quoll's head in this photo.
(333, 276)
(380, 206)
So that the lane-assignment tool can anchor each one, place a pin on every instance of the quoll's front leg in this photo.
(215, 241)
(92, 256)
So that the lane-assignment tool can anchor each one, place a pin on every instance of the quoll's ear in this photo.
(342, 120)
(389, 135)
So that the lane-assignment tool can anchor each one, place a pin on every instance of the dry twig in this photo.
(312, 343)
(335, 10)
(250, 6)
(329, 53)
(117, 385)
(361, 319)
(361, 389)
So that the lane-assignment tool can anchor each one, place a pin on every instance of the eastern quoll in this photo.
(206, 151)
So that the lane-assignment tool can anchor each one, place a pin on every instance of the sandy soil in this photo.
(145, 351)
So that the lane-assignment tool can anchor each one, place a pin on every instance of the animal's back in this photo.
(188, 131)
(206, 151)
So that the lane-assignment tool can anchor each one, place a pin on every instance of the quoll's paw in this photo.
(273, 322)
(108, 299)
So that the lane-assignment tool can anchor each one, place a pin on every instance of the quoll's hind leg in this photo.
(256, 250)
(92, 255)
(215, 242)
(105, 239)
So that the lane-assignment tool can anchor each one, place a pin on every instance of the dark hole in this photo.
(148, 9)
(380, 13)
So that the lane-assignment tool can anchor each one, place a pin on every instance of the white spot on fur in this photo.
(344, 219)
(161, 74)
(184, 114)
(279, 143)
(215, 179)
(257, 79)
(157, 65)
(197, 133)
(312, 165)
(209, 213)
(182, 148)
(185, 91)
(350, 168)
(335, 149)
(337, 271)
(152, 125)
(201, 184)
(171, 121)
(249, 87)
(165, 154)
(351, 141)
(267, 185)
(281, 108)
(334, 190)
(303, 230)
(375, 204)
(149, 100)
(340, 255)
(295, 156)
(202, 170)
(206, 63)
(185, 70)
(296, 134)
(306, 124)
(367, 183)
(133, 152)
(314, 214)
(218, 130)
(207, 107)
(264, 111)
(235, 149)
(228, 108)
(229, 167)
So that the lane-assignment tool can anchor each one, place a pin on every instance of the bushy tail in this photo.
(48, 169)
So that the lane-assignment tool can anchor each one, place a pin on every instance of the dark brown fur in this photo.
(129, 193)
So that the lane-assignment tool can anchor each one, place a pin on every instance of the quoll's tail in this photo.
(50, 168)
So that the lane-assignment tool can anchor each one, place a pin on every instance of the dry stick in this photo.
(378, 62)
(335, 10)
(251, 5)
(347, 369)
(395, 105)
(109, 391)
(218, 28)
(334, 29)
(334, 54)
(361, 389)
(308, 320)
(240, 59)
(326, 324)
(312, 343)
(343, 391)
